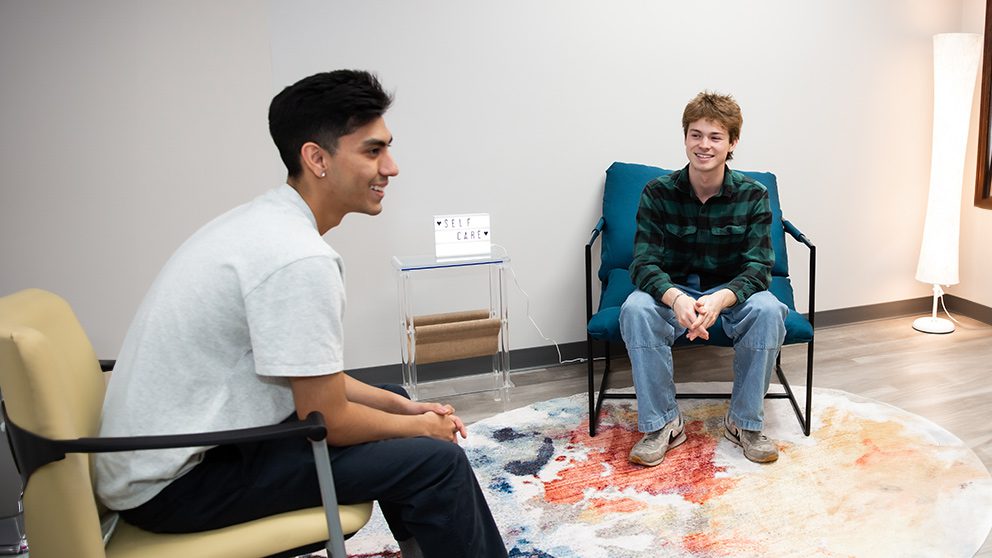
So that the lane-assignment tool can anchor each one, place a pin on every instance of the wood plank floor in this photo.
(945, 378)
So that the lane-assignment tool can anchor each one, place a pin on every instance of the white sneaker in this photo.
(757, 447)
(651, 449)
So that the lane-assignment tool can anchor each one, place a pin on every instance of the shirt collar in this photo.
(290, 194)
(729, 184)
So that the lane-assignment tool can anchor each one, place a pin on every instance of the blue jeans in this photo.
(757, 328)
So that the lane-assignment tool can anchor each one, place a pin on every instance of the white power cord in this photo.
(531, 318)
(941, 297)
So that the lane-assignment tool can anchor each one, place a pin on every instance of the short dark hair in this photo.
(322, 108)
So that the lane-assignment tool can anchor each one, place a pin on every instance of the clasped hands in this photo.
(440, 419)
(697, 315)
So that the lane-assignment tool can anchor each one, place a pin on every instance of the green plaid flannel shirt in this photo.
(727, 240)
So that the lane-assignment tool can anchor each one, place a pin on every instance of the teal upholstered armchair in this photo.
(616, 228)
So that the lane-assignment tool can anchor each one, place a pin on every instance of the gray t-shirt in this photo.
(254, 296)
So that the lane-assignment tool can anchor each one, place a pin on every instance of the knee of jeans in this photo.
(637, 300)
(765, 315)
(442, 451)
(446, 458)
(640, 329)
(766, 306)
(641, 323)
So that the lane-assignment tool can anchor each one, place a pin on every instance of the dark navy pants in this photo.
(425, 488)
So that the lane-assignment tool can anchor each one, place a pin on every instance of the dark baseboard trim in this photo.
(915, 306)
(547, 356)
(870, 312)
(968, 308)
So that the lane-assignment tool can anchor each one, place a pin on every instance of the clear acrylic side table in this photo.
(453, 336)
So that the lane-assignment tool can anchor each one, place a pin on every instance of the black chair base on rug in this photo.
(596, 398)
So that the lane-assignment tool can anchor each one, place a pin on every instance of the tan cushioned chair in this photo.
(53, 391)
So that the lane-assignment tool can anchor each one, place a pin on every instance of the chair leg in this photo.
(805, 421)
(325, 479)
(596, 399)
(809, 388)
(592, 387)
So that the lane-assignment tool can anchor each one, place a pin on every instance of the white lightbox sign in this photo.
(461, 235)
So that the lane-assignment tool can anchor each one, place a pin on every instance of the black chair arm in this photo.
(107, 365)
(32, 451)
(592, 240)
(795, 233)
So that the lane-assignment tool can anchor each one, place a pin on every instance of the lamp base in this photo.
(931, 324)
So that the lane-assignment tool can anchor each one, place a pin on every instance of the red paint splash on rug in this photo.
(874, 455)
(687, 470)
(622, 505)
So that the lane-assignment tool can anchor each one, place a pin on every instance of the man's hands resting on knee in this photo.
(440, 419)
(356, 412)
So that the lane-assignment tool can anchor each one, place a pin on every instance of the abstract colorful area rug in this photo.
(871, 480)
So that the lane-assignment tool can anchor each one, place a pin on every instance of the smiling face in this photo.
(707, 144)
(359, 169)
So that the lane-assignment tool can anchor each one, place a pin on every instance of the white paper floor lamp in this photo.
(955, 68)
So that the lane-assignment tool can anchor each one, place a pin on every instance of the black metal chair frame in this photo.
(596, 399)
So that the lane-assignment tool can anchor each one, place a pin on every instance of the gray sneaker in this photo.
(757, 447)
(651, 449)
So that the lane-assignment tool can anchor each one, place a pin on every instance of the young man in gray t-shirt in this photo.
(243, 327)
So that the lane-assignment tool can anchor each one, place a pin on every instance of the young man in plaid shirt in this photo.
(703, 250)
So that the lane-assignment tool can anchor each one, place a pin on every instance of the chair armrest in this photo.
(313, 427)
(795, 233)
(592, 240)
(596, 232)
(32, 451)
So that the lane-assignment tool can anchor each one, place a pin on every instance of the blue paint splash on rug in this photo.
(507, 434)
(531, 467)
